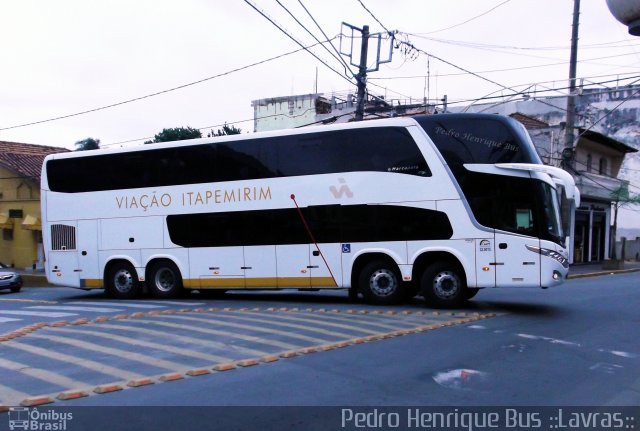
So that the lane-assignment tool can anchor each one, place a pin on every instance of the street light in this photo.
(627, 12)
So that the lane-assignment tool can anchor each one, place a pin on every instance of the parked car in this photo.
(9, 279)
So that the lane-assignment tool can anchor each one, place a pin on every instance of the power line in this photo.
(411, 46)
(337, 57)
(325, 36)
(470, 19)
(268, 18)
(135, 99)
(374, 17)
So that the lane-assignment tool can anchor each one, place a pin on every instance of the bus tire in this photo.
(443, 285)
(122, 281)
(380, 283)
(164, 279)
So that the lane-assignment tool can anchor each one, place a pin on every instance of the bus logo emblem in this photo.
(344, 190)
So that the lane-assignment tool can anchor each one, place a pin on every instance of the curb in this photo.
(599, 273)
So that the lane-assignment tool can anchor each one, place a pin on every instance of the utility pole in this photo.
(571, 99)
(347, 49)
(362, 74)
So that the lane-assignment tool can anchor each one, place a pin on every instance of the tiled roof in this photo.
(25, 159)
(529, 122)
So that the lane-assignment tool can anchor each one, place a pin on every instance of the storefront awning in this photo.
(5, 221)
(31, 223)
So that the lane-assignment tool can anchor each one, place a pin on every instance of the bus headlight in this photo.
(551, 253)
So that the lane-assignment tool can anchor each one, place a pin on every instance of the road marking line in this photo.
(176, 350)
(33, 301)
(10, 396)
(246, 317)
(361, 319)
(8, 319)
(249, 327)
(41, 374)
(81, 362)
(118, 304)
(250, 338)
(185, 339)
(186, 304)
(75, 308)
(36, 313)
(321, 321)
(124, 354)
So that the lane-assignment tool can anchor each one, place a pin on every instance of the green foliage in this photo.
(226, 130)
(88, 144)
(176, 134)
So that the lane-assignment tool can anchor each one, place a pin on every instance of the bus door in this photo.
(515, 264)
(88, 254)
(331, 257)
(293, 265)
(260, 266)
(217, 267)
(62, 260)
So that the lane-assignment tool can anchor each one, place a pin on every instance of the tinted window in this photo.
(511, 204)
(388, 149)
(328, 224)
(478, 139)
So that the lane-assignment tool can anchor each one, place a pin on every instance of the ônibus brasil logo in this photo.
(24, 418)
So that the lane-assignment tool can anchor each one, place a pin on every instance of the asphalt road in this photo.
(576, 345)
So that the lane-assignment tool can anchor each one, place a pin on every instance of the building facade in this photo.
(20, 169)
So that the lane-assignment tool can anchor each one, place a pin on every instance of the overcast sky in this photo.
(68, 56)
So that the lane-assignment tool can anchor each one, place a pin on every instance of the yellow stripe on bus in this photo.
(238, 282)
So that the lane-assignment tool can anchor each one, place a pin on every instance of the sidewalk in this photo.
(593, 269)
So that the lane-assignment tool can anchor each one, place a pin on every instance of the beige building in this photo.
(20, 169)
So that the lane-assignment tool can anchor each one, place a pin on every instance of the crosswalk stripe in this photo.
(8, 319)
(36, 313)
(320, 320)
(185, 339)
(75, 308)
(250, 338)
(271, 321)
(81, 362)
(45, 375)
(118, 304)
(176, 350)
(124, 354)
(287, 334)
(11, 397)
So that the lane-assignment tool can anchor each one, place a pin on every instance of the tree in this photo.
(88, 144)
(176, 134)
(620, 199)
(226, 130)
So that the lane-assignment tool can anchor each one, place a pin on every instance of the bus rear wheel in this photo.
(164, 279)
(122, 281)
(380, 283)
(443, 285)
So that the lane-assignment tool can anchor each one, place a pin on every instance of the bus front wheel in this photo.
(122, 281)
(443, 285)
(380, 283)
(164, 279)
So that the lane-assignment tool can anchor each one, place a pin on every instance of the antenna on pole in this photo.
(348, 51)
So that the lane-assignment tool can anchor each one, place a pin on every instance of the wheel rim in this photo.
(123, 280)
(383, 282)
(165, 280)
(446, 284)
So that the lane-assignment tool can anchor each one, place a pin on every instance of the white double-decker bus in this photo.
(442, 205)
